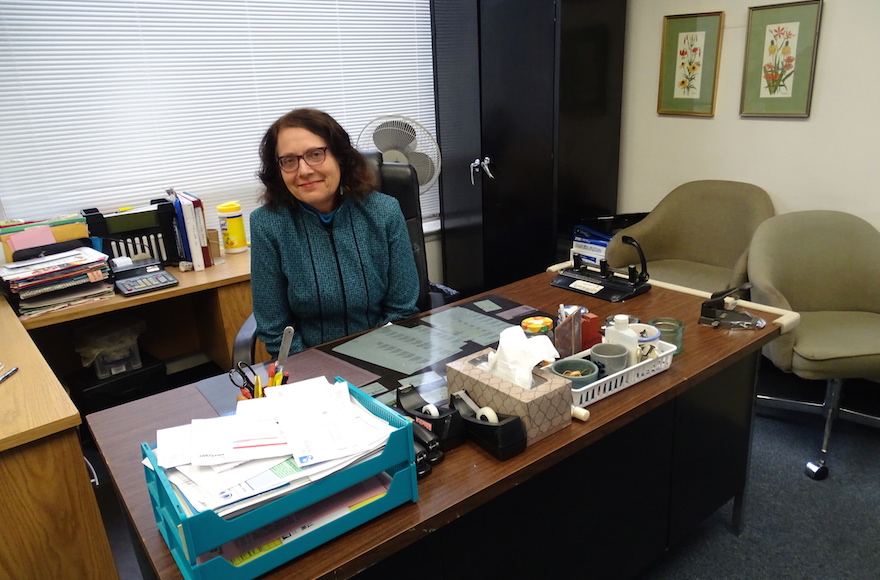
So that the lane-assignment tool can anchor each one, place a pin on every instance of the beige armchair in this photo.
(698, 235)
(825, 265)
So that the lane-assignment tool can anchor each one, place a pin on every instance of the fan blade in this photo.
(394, 135)
(423, 165)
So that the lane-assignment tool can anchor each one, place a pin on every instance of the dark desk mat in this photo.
(308, 364)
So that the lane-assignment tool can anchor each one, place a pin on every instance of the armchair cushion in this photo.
(691, 274)
(702, 229)
(845, 345)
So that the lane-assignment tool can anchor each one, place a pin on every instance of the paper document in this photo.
(237, 438)
(290, 527)
(322, 422)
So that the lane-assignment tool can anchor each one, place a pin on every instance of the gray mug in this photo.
(612, 356)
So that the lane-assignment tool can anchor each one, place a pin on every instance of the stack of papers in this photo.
(297, 434)
(57, 281)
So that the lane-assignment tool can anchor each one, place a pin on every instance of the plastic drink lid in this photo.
(536, 324)
(231, 206)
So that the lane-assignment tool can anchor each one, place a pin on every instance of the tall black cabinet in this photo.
(528, 108)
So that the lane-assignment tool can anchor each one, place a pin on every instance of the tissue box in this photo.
(544, 409)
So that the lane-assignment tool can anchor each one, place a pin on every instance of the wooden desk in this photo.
(52, 527)
(201, 314)
(605, 497)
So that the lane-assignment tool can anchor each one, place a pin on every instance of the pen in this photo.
(8, 374)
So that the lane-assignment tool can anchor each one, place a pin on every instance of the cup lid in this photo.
(537, 324)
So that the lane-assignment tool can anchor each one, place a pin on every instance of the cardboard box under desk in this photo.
(544, 409)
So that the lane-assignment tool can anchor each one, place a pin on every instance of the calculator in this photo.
(139, 276)
(146, 283)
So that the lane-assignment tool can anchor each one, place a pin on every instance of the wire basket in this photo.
(620, 380)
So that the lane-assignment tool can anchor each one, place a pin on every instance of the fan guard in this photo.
(404, 140)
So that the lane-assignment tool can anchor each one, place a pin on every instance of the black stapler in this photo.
(714, 313)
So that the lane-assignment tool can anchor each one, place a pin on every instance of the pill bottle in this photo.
(232, 226)
(621, 333)
(538, 325)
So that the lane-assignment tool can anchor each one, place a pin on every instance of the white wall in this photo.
(827, 161)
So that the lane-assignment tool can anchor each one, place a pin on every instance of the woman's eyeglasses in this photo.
(312, 157)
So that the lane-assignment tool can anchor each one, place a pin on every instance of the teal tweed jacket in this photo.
(329, 281)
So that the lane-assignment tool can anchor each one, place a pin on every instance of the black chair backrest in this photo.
(399, 180)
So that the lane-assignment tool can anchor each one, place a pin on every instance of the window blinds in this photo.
(107, 103)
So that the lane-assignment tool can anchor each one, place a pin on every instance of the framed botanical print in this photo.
(780, 62)
(689, 58)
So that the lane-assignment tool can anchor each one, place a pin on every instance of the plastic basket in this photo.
(620, 380)
(189, 536)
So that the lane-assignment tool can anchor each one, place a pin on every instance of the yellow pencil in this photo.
(258, 388)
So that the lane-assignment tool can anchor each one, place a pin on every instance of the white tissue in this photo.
(518, 354)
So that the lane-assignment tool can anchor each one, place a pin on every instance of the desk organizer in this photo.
(189, 536)
(622, 379)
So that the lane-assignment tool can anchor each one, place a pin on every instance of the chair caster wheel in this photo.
(816, 471)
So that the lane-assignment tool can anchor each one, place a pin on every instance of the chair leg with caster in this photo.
(819, 471)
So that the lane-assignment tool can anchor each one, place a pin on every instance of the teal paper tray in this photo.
(189, 536)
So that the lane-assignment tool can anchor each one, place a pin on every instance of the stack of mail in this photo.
(297, 434)
(57, 281)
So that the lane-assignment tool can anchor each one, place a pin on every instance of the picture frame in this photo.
(780, 61)
(689, 57)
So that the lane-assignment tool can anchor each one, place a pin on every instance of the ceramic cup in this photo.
(611, 356)
(587, 371)
(648, 337)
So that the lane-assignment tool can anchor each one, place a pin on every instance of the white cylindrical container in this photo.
(232, 226)
(621, 333)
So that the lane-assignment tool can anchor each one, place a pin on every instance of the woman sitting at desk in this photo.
(329, 256)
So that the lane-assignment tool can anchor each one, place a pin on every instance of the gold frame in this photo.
(690, 54)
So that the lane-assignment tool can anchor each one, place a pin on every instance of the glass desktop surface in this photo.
(415, 351)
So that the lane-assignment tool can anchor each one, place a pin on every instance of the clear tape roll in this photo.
(431, 410)
(487, 414)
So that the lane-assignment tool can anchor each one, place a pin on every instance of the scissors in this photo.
(243, 377)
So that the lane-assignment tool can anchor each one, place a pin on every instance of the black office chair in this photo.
(398, 180)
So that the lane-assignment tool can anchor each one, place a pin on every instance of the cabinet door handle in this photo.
(475, 168)
(485, 165)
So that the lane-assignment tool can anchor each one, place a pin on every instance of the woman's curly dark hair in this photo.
(356, 176)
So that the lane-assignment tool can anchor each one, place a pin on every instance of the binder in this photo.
(191, 227)
(201, 228)
(180, 227)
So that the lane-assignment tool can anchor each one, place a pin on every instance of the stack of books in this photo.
(56, 281)
(192, 233)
